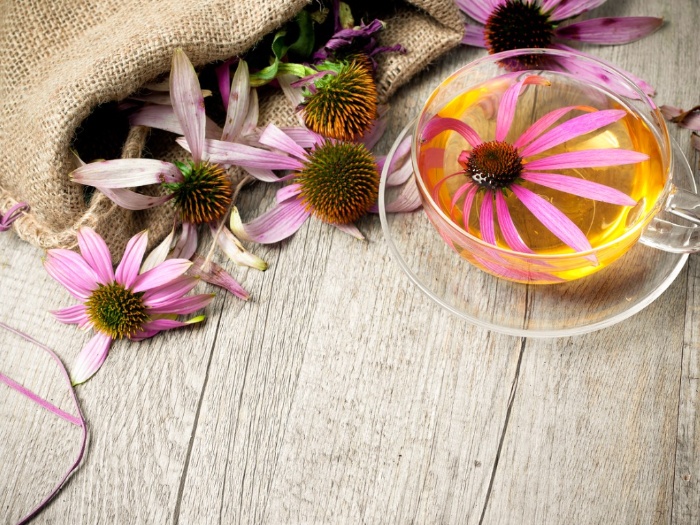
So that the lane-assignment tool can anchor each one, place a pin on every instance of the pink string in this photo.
(12, 215)
(78, 420)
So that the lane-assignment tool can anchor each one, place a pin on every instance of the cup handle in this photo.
(666, 234)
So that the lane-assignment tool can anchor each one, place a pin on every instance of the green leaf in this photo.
(304, 45)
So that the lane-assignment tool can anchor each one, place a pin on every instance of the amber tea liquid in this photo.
(602, 223)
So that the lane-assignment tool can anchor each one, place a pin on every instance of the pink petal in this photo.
(277, 224)
(143, 334)
(375, 131)
(238, 102)
(91, 358)
(669, 112)
(580, 187)
(437, 125)
(614, 30)
(695, 141)
(161, 274)
(571, 129)
(223, 80)
(170, 291)
(401, 175)
(183, 305)
(509, 101)
(543, 123)
(126, 173)
(473, 36)
(302, 136)
(95, 252)
(187, 243)
(71, 315)
(488, 233)
(590, 158)
(351, 230)
(438, 185)
(251, 118)
(685, 119)
(467, 205)
(130, 200)
(294, 95)
(167, 324)
(458, 194)
(221, 152)
(188, 102)
(568, 9)
(71, 270)
(552, 219)
(505, 222)
(236, 251)
(274, 137)
(402, 154)
(478, 10)
(408, 200)
(217, 276)
(163, 117)
(287, 192)
(129, 267)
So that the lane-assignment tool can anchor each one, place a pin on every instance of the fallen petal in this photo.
(91, 358)
(236, 251)
(217, 276)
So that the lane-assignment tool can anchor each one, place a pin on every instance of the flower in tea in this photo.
(200, 188)
(517, 24)
(122, 303)
(496, 167)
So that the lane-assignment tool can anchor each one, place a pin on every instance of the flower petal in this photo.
(159, 253)
(439, 124)
(171, 290)
(571, 129)
(183, 305)
(217, 276)
(553, 219)
(91, 358)
(238, 102)
(167, 324)
(488, 232)
(464, 188)
(302, 136)
(580, 187)
(287, 192)
(509, 101)
(568, 9)
(161, 274)
(408, 200)
(277, 224)
(351, 230)
(130, 200)
(95, 252)
(71, 315)
(473, 36)
(126, 173)
(187, 243)
(590, 158)
(467, 205)
(505, 223)
(251, 118)
(71, 270)
(274, 137)
(236, 251)
(543, 123)
(477, 10)
(245, 156)
(188, 102)
(128, 268)
(163, 117)
(613, 30)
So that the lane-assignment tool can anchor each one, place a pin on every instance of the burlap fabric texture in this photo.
(60, 59)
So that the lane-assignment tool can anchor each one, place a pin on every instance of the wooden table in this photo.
(341, 394)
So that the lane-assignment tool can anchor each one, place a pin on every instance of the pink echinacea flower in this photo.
(495, 167)
(121, 303)
(517, 24)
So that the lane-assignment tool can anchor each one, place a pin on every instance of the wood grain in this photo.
(341, 394)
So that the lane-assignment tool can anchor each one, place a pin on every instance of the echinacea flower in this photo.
(495, 168)
(336, 182)
(121, 303)
(517, 24)
(201, 189)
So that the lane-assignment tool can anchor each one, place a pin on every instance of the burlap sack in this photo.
(60, 59)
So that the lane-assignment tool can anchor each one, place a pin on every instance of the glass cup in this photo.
(621, 276)
(473, 96)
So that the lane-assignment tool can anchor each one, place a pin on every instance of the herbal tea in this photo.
(542, 165)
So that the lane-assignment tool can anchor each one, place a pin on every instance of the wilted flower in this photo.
(495, 167)
(517, 24)
(126, 303)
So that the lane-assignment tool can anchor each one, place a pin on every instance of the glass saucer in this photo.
(554, 310)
